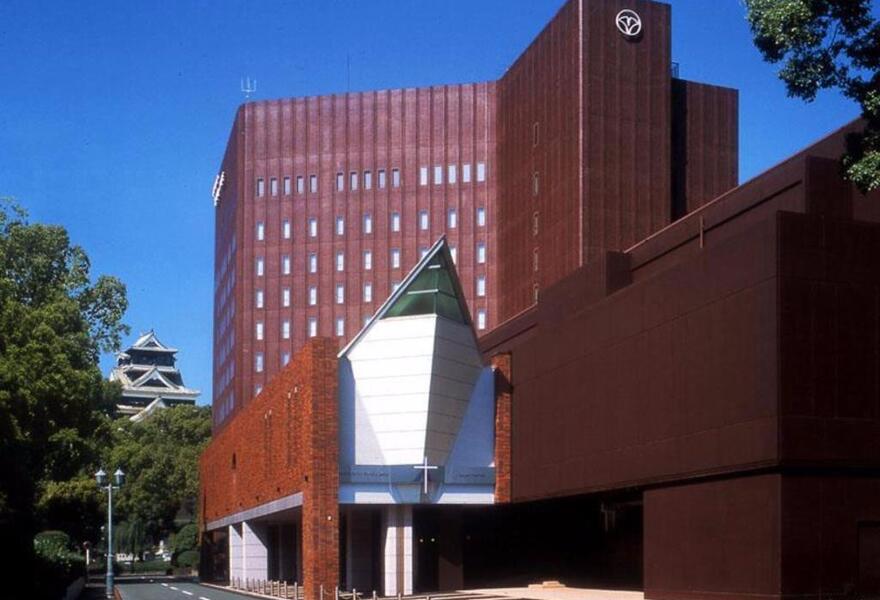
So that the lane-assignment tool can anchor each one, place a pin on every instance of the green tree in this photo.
(827, 44)
(54, 323)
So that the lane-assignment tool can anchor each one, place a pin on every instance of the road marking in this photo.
(174, 588)
(203, 598)
(187, 593)
(165, 584)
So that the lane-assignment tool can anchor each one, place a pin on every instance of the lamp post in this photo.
(104, 484)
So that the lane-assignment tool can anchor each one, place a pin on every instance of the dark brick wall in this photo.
(503, 416)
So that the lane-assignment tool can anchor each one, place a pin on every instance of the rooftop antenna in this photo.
(248, 87)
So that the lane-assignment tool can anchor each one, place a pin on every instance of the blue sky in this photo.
(114, 116)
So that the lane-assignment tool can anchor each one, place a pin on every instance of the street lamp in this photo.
(118, 480)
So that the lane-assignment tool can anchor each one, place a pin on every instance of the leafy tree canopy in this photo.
(826, 44)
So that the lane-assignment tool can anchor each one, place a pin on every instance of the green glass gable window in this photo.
(431, 292)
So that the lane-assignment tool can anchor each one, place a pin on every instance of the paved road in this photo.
(169, 589)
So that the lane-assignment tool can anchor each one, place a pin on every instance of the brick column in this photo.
(320, 525)
(501, 365)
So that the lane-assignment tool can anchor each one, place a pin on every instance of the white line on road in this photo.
(165, 584)
(187, 593)
(203, 598)
(173, 588)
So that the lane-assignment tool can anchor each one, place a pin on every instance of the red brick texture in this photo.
(285, 442)
(503, 398)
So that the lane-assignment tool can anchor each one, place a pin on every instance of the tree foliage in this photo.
(826, 44)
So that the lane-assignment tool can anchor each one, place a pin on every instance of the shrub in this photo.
(57, 564)
(188, 559)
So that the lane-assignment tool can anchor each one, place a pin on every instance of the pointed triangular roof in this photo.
(154, 373)
(149, 341)
(431, 287)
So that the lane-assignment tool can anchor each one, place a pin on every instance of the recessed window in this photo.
(423, 175)
(368, 292)
(368, 260)
(395, 258)
(535, 183)
(313, 262)
(287, 189)
(260, 266)
(285, 264)
(300, 184)
(466, 173)
(452, 219)
(368, 180)
(535, 134)
(285, 297)
(340, 293)
(423, 251)
(481, 319)
(285, 229)
(261, 231)
(258, 299)
(313, 296)
(313, 183)
(258, 362)
(451, 174)
(340, 226)
(340, 261)
(340, 182)
(481, 253)
(367, 320)
(285, 329)
(285, 359)
(368, 224)
(381, 179)
(353, 181)
(273, 186)
(535, 259)
(261, 187)
(340, 327)
(395, 178)
(395, 221)
(394, 286)
(313, 326)
(258, 388)
(259, 330)
(453, 252)
(481, 285)
(438, 174)
(481, 171)
(481, 217)
(535, 223)
(313, 227)
(535, 293)
(423, 220)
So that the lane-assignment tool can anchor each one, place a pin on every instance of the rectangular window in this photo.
(313, 295)
(300, 184)
(273, 186)
(340, 326)
(481, 217)
(258, 299)
(481, 253)
(313, 183)
(423, 251)
(451, 174)
(368, 292)
(340, 261)
(285, 297)
(395, 258)
(340, 225)
(452, 222)
(535, 260)
(257, 389)
(313, 326)
(535, 133)
(453, 252)
(259, 330)
(287, 186)
(535, 223)
(260, 266)
(258, 362)
(313, 227)
(340, 293)
(285, 264)
(438, 174)
(481, 171)
(535, 183)
(261, 187)
(423, 220)
(423, 175)
(381, 179)
(368, 224)
(368, 180)
(261, 231)
(466, 173)
(481, 319)
(481, 285)
(285, 229)
(285, 329)
(313, 263)
(340, 182)
(285, 358)
(395, 221)
(353, 181)
(367, 319)
(395, 178)
(368, 260)
(394, 286)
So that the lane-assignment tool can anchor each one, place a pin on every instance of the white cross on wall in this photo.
(425, 468)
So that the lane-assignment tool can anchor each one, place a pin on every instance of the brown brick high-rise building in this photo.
(587, 143)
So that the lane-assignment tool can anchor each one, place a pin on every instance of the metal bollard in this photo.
(354, 594)
(336, 593)
(399, 595)
(374, 594)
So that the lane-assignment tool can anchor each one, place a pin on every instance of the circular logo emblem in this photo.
(629, 22)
